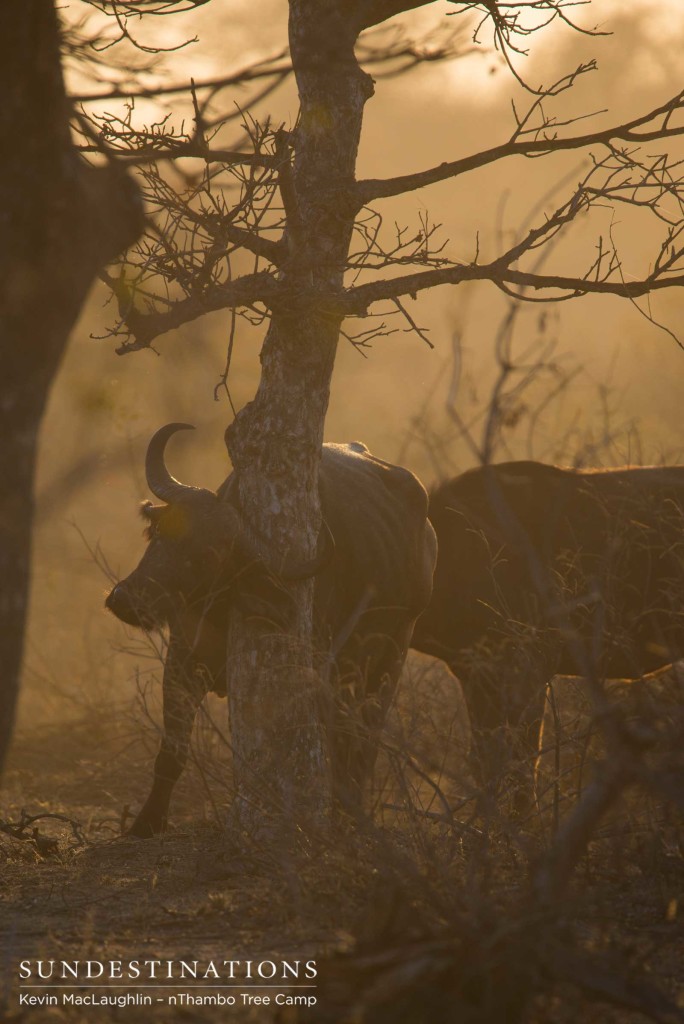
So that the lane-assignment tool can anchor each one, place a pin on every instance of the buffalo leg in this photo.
(506, 704)
(366, 695)
(184, 688)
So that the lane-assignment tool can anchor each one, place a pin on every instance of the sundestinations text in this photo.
(171, 970)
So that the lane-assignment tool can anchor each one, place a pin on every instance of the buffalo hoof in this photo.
(146, 828)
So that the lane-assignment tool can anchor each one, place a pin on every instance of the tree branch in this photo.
(144, 327)
(281, 65)
(373, 12)
(273, 251)
(167, 151)
(214, 84)
(379, 188)
(356, 301)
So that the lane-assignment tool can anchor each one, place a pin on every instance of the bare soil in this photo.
(98, 895)
(84, 891)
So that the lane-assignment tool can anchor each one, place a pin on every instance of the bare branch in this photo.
(187, 150)
(378, 188)
(264, 69)
(279, 66)
(244, 291)
(413, 326)
(357, 300)
(274, 252)
(609, 982)
(553, 874)
(373, 12)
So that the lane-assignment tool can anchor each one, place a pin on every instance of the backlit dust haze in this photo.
(104, 407)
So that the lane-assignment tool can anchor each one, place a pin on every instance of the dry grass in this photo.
(379, 897)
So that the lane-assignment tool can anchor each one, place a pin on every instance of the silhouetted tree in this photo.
(61, 220)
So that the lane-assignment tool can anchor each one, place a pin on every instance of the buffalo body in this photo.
(544, 570)
(372, 580)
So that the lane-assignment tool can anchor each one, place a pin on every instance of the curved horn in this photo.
(159, 480)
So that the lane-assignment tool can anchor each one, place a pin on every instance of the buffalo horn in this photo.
(159, 480)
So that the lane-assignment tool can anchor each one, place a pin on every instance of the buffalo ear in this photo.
(261, 596)
(151, 512)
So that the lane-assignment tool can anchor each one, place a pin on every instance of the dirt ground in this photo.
(92, 894)
(98, 895)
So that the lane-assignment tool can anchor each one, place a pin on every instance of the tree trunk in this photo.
(279, 744)
(60, 220)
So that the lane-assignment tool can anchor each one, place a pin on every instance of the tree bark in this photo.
(279, 743)
(60, 221)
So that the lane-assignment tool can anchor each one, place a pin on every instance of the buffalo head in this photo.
(199, 557)
(193, 536)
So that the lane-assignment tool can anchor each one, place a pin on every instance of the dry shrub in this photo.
(650, 713)
(422, 763)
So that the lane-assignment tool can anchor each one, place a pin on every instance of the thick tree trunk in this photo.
(280, 755)
(59, 222)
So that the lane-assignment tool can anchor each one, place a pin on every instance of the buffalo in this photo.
(543, 570)
(372, 580)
